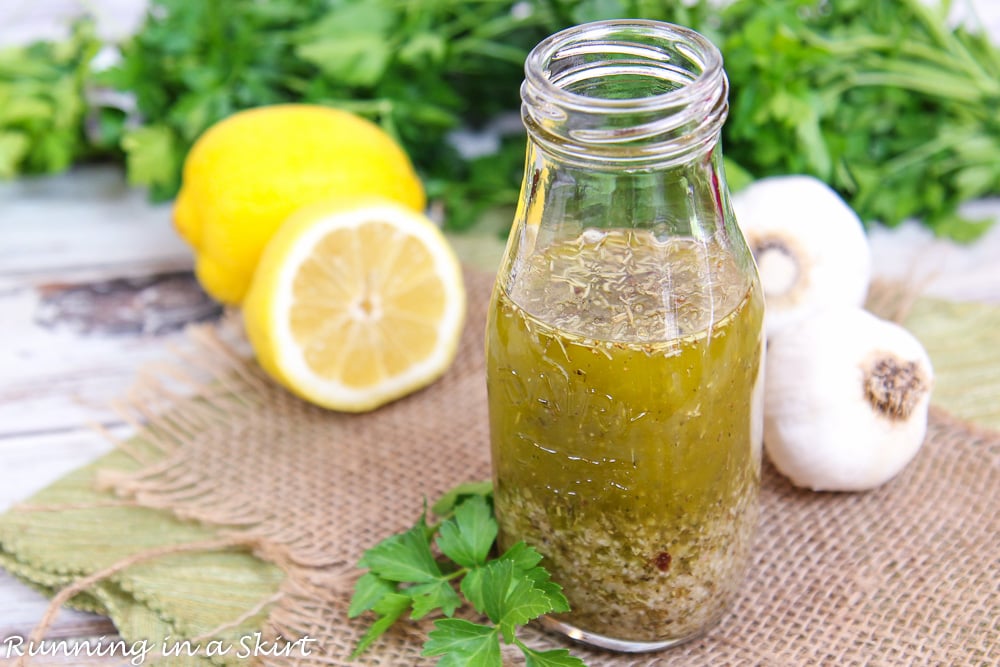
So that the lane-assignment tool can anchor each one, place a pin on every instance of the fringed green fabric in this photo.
(963, 340)
(69, 530)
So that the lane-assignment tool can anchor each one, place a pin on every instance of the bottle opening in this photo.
(641, 92)
(621, 82)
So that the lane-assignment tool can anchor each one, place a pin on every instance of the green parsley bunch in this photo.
(404, 575)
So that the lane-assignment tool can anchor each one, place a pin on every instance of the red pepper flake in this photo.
(662, 561)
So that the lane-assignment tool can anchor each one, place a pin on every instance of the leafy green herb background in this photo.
(877, 97)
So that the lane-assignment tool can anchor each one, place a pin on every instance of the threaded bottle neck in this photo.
(625, 94)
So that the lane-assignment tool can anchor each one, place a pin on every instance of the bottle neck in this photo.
(689, 199)
(631, 94)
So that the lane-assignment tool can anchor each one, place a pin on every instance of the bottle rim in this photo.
(663, 127)
(538, 60)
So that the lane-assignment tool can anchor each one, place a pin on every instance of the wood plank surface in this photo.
(84, 219)
(31, 462)
(70, 348)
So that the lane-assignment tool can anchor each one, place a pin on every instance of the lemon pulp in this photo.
(352, 307)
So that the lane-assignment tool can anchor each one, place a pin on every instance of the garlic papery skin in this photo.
(845, 400)
(810, 247)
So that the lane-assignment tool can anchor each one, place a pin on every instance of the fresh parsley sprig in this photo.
(404, 574)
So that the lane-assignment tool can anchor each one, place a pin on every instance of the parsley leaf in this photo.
(507, 596)
(468, 537)
(559, 657)
(445, 506)
(405, 557)
(523, 556)
(526, 559)
(152, 157)
(542, 581)
(368, 590)
(464, 644)
(14, 146)
(435, 595)
(389, 609)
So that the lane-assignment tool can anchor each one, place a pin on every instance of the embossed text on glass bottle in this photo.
(624, 340)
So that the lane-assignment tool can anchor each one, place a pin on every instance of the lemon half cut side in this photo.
(353, 306)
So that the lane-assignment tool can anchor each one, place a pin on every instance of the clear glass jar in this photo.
(624, 341)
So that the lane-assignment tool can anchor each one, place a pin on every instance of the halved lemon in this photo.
(356, 304)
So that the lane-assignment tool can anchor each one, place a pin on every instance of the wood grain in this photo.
(70, 348)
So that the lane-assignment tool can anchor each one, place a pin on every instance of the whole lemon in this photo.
(246, 174)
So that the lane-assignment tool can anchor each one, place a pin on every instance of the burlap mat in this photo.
(906, 574)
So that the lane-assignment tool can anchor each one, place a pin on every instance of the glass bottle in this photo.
(624, 342)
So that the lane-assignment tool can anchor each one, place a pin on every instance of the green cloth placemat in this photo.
(180, 596)
(963, 341)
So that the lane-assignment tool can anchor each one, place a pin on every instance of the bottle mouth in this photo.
(636, 92)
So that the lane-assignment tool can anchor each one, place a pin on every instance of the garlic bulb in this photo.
(810, 247)
(845, 400)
